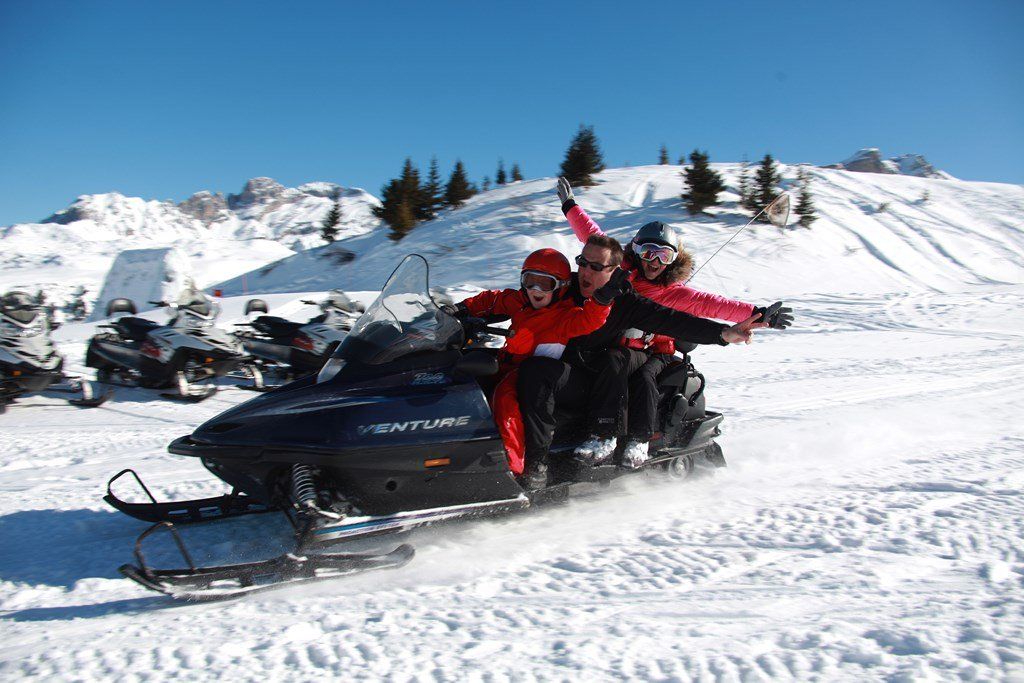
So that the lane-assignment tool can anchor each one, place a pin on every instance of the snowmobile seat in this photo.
(674, 375)
(274, 326)
(134, 328)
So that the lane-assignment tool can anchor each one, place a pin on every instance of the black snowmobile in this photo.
(29, 363)
(290, 350)
(187, 350)
(395, 432)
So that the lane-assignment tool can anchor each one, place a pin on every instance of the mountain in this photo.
(869, 160)
(221, 236)
(875, 233)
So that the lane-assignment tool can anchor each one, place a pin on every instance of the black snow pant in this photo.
(643, 397)
(544, 382)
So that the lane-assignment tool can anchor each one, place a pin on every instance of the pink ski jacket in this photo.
(677, 295)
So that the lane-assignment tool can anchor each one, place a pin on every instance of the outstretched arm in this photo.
(491, 302)
(582, 224)
(702, 304)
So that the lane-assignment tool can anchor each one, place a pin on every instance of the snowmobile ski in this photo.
(234, 504)
(207, 584)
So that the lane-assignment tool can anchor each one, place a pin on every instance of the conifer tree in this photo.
(433, 191)
(745, 188)
(329, 228)
(766, 182)
(517, 175)
(702, 183)
(804, 202)
(500, 178)
(459, 188)
(487, 183)
(663, 156)
(402, 202)
(583, 158)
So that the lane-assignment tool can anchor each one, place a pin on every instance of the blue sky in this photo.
(162, 99)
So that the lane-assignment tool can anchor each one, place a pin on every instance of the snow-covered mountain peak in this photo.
(207, 206)
(870, 160)
(257, 191)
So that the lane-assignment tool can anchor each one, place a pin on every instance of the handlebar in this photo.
(309, 303)
(158, 303)
(475, 326)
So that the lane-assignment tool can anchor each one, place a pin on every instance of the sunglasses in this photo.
(539, 282)
(655, 252)
(593, 265)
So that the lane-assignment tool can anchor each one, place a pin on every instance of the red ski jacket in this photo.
(537, 331)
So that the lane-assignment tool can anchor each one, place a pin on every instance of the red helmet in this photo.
(549, 261)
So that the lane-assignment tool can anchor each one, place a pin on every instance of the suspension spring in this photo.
(303, 488)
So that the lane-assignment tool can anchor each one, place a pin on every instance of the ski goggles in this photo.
(651, 251)
(593, 265)
(540, 282)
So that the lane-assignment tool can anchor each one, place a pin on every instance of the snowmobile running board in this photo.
(183, 512)
(208, 584)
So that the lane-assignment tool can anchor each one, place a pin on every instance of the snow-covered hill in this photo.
(876, 233)
(221, 236)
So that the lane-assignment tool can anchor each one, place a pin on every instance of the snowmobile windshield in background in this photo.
(403, 320)
(195, 301)
(19, 307)
(337, 299)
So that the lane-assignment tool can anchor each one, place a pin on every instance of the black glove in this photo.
(616, 286)
(777, 316)
(455, 310)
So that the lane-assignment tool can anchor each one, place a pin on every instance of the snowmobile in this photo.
(393, 433)
(180, 354)
(288, 349)
(29, 363)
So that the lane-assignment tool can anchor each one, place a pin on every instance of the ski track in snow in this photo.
(869, 526)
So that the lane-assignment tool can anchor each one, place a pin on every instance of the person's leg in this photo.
(607, 414)
(543, 383)
(509, 421)
(643, 409)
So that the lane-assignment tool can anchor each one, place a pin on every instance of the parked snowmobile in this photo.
(185, 351)
(29, 363)
(290, 349)
(393, 433)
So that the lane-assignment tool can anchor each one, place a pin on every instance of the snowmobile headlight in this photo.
(329, 370)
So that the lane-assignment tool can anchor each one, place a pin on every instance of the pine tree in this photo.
(500, 178)
(804, 202)
(403, 202)
(583, 158)
(746, 190)
(702, 183)
(458, 189)
(329, 228)
(766, 182)
(517, 175)
(487, 183)
(433, 191)
(663, 156)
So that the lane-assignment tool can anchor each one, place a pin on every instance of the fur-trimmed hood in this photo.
(676, 272)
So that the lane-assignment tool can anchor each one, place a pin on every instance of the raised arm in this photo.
(581, 224)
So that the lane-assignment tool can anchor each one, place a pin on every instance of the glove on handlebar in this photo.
(615, 287)
(777, 316)
(455, 310)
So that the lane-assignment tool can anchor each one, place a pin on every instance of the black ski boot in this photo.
(535, 477)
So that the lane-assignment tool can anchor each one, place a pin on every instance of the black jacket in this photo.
(630, 310)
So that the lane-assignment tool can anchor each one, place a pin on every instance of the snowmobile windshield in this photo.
(19, 307)
(402, 321)
(195, 301)
(338, 300)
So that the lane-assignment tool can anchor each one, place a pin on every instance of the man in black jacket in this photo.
(573, 380)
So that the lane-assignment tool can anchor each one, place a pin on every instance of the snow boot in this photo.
(535, 477)
(596, 450)
(635, 454)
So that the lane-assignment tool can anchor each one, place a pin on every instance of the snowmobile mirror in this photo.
(476, 364)
(256, 305)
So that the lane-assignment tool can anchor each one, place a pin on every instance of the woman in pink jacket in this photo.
(659, 268)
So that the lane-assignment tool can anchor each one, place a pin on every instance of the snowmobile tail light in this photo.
(437, 462)
(330, 369)
(303, 342)
(150, 349)
(209, 360)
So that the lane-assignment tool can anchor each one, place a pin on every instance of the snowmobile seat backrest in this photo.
(674, 376)
(121, 305)
(134, 328)
(256, 306)
(685, 346)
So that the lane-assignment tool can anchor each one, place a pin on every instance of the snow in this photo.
(868, 526)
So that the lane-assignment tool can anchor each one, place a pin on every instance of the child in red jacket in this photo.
(544, 319)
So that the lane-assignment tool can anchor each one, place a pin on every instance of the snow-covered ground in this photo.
(869, 525)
